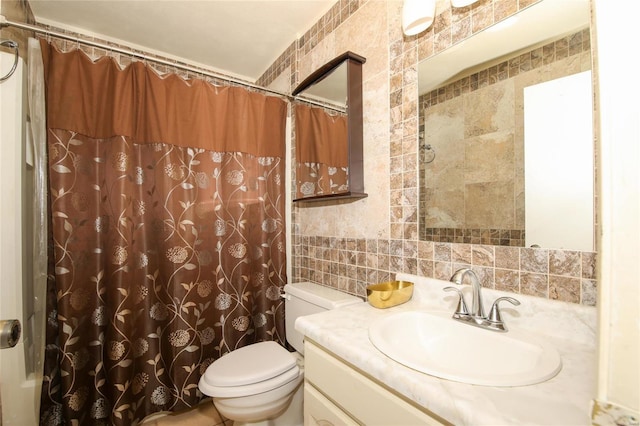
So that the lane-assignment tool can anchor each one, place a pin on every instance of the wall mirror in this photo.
(328, 132)
(505, 134)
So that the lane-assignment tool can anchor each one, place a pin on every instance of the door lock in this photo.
(9, 333)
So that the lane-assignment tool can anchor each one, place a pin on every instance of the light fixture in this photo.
(462, 3)
(417, 15)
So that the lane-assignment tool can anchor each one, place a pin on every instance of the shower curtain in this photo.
(322, 152)
(167, 241)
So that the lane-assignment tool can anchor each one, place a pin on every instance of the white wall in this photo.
(558, 163)
(619, 176)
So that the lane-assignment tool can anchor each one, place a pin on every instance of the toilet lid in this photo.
(250, 389)
(250, 364)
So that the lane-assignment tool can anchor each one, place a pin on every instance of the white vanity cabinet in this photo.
(335, 393)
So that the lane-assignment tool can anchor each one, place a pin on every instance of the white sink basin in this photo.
(435, 344)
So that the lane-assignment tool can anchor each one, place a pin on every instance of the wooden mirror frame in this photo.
(354, 122)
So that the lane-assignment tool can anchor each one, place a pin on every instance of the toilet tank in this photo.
(308, 298)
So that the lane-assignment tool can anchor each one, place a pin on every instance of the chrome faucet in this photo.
(477, 308)
(477, 316)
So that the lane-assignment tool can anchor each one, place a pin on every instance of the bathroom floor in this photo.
(204, 414)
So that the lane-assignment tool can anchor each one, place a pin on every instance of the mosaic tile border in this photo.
(497, 237)
(351, 264)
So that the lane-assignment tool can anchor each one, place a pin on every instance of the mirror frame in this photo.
(354, 122)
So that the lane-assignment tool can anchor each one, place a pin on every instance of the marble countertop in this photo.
(563, 400)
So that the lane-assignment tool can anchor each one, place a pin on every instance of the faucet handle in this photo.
(461, 309)
(494, 313)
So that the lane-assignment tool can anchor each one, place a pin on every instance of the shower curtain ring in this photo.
(12, 45)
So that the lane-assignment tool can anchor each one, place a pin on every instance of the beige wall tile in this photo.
(507, 257)
(391, 126)
(565, 262)
(534, 260)
(507, 280)
(589, 292)
(489, 158)
(489, 205)
(533, 284)
(498, 98)
(483, 255)
(565, 289)
(461, 253)
(365, 33)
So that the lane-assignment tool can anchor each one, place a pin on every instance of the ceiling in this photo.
(241, 38)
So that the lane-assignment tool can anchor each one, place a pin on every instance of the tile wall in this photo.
(349, 245)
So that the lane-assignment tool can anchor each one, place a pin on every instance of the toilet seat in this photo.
(250, 370)
(247, 390)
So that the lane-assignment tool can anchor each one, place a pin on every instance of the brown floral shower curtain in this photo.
(322, 152)
(167, 243)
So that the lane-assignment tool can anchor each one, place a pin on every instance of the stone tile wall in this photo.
(349, 264)
(348, 245)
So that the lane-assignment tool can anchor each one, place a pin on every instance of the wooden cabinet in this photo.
(337, 394)
(319, 411)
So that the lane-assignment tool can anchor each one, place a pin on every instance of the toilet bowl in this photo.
(261, 384)
(257, 383)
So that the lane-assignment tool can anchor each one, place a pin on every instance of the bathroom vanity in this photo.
(349, 381)
(351, 395)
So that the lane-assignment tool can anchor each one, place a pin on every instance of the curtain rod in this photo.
(6, 23)
(28, 27)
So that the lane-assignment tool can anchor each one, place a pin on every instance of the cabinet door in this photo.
(356, 394)
(319, 411)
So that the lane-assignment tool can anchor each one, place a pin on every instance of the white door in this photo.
(558, 133)
(19, 391)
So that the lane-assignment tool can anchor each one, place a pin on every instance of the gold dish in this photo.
(392, 293)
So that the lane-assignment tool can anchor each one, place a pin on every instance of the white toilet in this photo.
(261, 384)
